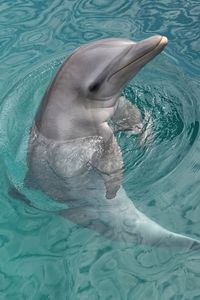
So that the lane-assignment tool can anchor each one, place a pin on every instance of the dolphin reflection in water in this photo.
(73, 155)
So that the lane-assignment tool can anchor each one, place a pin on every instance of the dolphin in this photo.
(73, 155)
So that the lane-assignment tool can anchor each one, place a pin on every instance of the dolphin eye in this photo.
(94, 87)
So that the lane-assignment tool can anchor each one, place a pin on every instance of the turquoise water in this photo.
(43, 256)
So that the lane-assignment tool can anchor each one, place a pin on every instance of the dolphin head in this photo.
(87, 86)
(99, 70)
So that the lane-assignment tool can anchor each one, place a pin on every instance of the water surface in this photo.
(43, 256)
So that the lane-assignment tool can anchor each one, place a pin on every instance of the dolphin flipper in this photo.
(128, 118)
(15, 194)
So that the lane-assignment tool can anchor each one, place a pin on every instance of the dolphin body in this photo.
(73, 155)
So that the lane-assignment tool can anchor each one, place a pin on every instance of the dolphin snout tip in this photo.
(164, 40)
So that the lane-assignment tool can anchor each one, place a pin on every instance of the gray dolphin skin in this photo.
(73, 155)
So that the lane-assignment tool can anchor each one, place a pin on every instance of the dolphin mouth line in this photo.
(163, 42)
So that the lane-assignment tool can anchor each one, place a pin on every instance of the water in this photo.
(43, 256)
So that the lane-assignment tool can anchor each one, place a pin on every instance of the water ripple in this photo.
(85, 8)
(46, 257)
